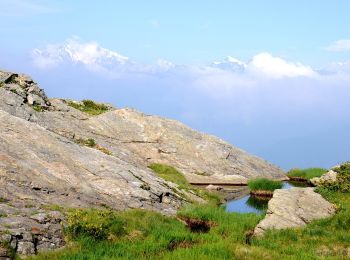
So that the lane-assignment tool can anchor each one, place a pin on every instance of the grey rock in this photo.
(213, 187)
(42, 218)
(294, 207)
(25, 248)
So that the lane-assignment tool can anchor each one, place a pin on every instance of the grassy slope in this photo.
(149, 235)
(307, 174)
(169, 173)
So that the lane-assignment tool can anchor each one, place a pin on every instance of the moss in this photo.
(89, 107)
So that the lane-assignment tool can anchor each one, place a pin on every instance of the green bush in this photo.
(89, 107)
(98, 224)
(306, 174)
(264, 184)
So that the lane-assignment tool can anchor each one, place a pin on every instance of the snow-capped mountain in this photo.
(230, 63)
(73, 51)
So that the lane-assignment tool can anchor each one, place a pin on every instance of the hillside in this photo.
(55, 155)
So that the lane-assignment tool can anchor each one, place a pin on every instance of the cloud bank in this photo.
(270, 106)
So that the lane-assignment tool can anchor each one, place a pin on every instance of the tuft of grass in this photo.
(89, 107)
(306, 174)
(92, 144)
(169, 173)
(52, 207)
(38, 108)
(3, 200)
(263, 184)
(13, 91)
(87, 142)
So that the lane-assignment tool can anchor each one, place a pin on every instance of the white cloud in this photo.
(26, 8)
(165, 65)
(341, 45)
(275, 67)
(90, 54)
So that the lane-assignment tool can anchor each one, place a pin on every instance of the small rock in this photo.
(213, 187)
(25, 248)
(42, 218)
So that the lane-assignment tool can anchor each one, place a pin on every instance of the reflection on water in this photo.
(248, 204)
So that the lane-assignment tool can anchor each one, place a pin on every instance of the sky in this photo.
(271, 77)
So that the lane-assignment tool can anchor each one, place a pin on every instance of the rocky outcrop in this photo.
(327, 178)
(294, 207)
(29, 230)
(204, 159)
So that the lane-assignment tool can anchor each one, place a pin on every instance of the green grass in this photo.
(264, 184)
(90, 142)
(38, 108)
(141, 234)
(169, 173)
(306, 174)
(89, 107)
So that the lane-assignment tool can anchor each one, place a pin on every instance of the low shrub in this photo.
(264, 184)
(98, 224)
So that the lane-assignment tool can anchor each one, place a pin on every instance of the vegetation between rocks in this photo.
(169, 173)
(342, 183)
(89, 107)
(141, 234)
(305, 174)
(92, 144)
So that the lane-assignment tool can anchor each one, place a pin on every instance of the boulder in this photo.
(294, 207)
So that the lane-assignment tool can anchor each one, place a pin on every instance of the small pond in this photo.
(248, 204)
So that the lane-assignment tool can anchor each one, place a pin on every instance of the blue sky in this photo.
(282, 94)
